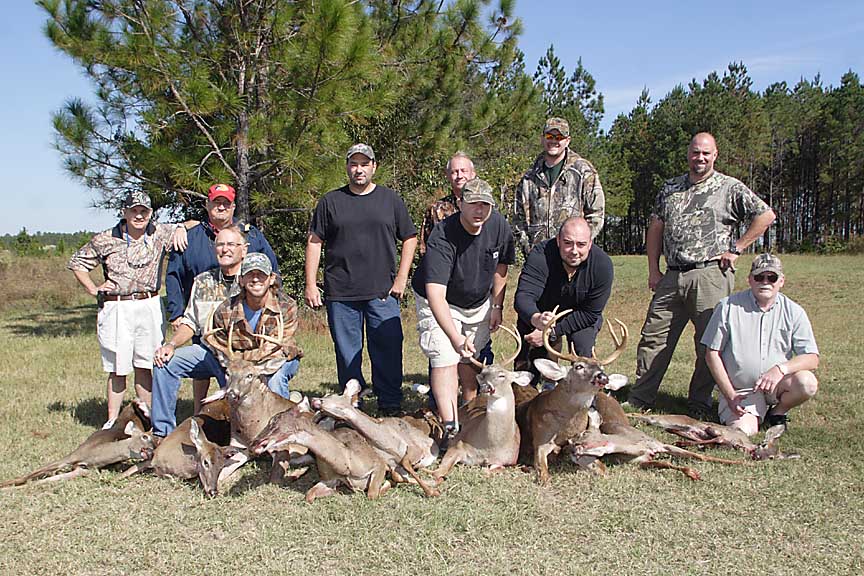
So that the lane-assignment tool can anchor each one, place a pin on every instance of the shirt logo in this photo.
(495, 255)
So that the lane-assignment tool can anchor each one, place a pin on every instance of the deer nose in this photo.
(601, 379)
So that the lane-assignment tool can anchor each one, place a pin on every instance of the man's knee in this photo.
(807, 382)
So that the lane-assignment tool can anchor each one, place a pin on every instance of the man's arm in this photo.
(724, 384)
(313, 258)
(529, 290)
(436, 295)
(182, 334)
(653, 248)
(409, 245)
(757, 227)
(768, 381)
(520, 217)
(594, 203)
(499, 288)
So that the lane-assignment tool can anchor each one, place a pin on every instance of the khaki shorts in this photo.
(434, 342)
(757, 403)
(129, 333)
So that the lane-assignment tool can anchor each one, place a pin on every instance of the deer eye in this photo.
(579, 366)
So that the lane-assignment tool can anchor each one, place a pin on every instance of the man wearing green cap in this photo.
(761, 351)
(459, 292)
(559, 184)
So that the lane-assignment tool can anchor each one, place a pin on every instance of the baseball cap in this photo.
(364, 149)
(256, 261)
(137, 198)
(225, 190)
(559, 124)
(477, 190)
(766, 263)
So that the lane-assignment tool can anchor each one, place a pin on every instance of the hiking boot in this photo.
(775, 420)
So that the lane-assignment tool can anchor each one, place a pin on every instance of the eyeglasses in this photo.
(555, 137)
(769, 277)
(231, 245)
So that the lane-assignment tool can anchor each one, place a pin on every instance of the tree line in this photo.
(267, 95)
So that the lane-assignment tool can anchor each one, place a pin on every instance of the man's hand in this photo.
(179, 239)
(495, 319)
(176, 323)
(654, 277)
(464, 346)
(398, 288)
(163, 354)
(727, 261)
(735, 402)
(535, 339)
(107, 286)
(313, 297)
(541, 320)
(769, 380)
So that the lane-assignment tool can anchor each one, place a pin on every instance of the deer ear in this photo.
(522, 378)
(550, 370)
(131, 429)
(295, 396)
(195, 434)
(352, 387)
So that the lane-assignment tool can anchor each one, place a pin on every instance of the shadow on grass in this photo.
(667, 403)
(94, 411)
(66, 321)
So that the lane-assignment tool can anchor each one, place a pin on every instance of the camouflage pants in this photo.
(680, 297)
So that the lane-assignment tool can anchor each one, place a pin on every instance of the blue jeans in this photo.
(383, 335)
(278, 382)
(193, 361)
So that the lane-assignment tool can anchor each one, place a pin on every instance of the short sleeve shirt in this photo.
(465, 263)
(698, 218)
(360, 234)
(751, 341)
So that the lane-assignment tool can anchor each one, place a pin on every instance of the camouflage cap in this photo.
(256, 261)
(477, 190)
(364, 149)
(559, 124)
(137, 198)
(766, 263)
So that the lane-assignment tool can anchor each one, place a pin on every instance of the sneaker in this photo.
(450, 431)
(775, 420)
(109, 424)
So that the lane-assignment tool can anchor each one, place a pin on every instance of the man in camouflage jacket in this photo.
(694, 219)
(559, 184)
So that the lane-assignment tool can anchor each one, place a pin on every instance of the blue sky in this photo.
(625, 45)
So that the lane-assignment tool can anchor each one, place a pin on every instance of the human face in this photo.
(763, 289)
(220, 210)
(360, 170)
(137, 218)
(461, 171)
(230, 251)
(256, 283)
(574, 243)
(474, 214)
(555, 144)
(701, 155)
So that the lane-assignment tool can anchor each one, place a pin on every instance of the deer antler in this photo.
(570, 356)
(620, 342)
(209, 333)
(515, 335)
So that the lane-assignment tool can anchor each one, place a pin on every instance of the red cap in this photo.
(221, 190)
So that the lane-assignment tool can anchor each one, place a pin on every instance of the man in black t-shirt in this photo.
(459, 288)
(360, 224)
(567, 271)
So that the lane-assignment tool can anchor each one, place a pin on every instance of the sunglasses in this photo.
(556, 137)
(769, 277)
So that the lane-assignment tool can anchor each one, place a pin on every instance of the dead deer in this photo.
(549, 420)
(405, 445)
(125, 440)
(209, 458)
(343, 455)
(489, 435)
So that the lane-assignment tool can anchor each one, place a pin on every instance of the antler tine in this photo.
(619, 343)
(209, 332)
(473, 360)
(569, 357)
(230, 337)
(513, 332)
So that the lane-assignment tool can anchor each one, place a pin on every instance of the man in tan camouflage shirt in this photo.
(559, 184)
(693, 222)
(459, 170)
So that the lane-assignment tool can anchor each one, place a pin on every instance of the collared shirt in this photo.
(268, 355)
(132, 265)
(209, 289)
(698, 219)
(751, 341)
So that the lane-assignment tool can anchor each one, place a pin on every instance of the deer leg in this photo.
(451, 458)
(682, 453)
(687, 471)
(427, 490)
(319, 490)
(280, 468)
(377, 483)
(136, 468)
(541, 461)
(74, 473)
(231, 466)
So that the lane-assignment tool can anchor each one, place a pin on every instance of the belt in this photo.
(694, 266)
(133, 296)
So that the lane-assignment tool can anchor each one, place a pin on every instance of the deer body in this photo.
(343, 455)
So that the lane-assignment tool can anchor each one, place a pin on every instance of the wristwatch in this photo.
(497, 307)
(734, 249)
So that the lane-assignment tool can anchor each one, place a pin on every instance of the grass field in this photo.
(777, 518)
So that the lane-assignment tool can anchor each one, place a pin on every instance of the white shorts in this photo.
(756, 403)
(434, 342)
(129, 333)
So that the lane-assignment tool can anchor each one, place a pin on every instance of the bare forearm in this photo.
(409, 245)
(499, 285)
(313, 259)
(802, 362)
(654, 244)
(757, 228)
(436, 294)
(718, 371)
(83, 277)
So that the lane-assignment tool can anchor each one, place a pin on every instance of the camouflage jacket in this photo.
(699, 219)
(436, 212)
(268, 355)
(541, 208)
(208, 291)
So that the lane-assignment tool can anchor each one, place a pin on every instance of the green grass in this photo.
(780, 518)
